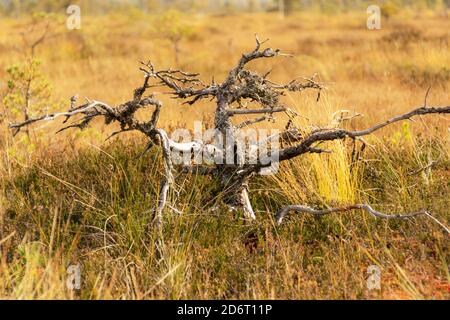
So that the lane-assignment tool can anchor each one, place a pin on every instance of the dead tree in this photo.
(241, 85)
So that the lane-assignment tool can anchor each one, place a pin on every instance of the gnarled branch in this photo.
(338, 134)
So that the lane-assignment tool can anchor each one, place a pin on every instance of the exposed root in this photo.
(167, 179)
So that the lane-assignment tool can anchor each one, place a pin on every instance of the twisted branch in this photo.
(338, 134)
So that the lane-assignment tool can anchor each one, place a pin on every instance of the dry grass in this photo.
(74, 198)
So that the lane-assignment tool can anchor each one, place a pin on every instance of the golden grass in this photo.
(73, 198)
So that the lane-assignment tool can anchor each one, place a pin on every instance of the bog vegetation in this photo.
(74, 198)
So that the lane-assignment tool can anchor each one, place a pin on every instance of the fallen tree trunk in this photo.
(234, 167)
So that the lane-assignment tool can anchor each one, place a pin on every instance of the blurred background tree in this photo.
(28, 89)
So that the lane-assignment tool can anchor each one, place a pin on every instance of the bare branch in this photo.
(167, 180)
(430, 164)
(305, 209)
(337, 134)
(416, 112)
(341, 116)
(250, 122)
(124, 114)
(183, 84)
(299, 208)
(82, 109)
(297, 86)
(257, 53)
